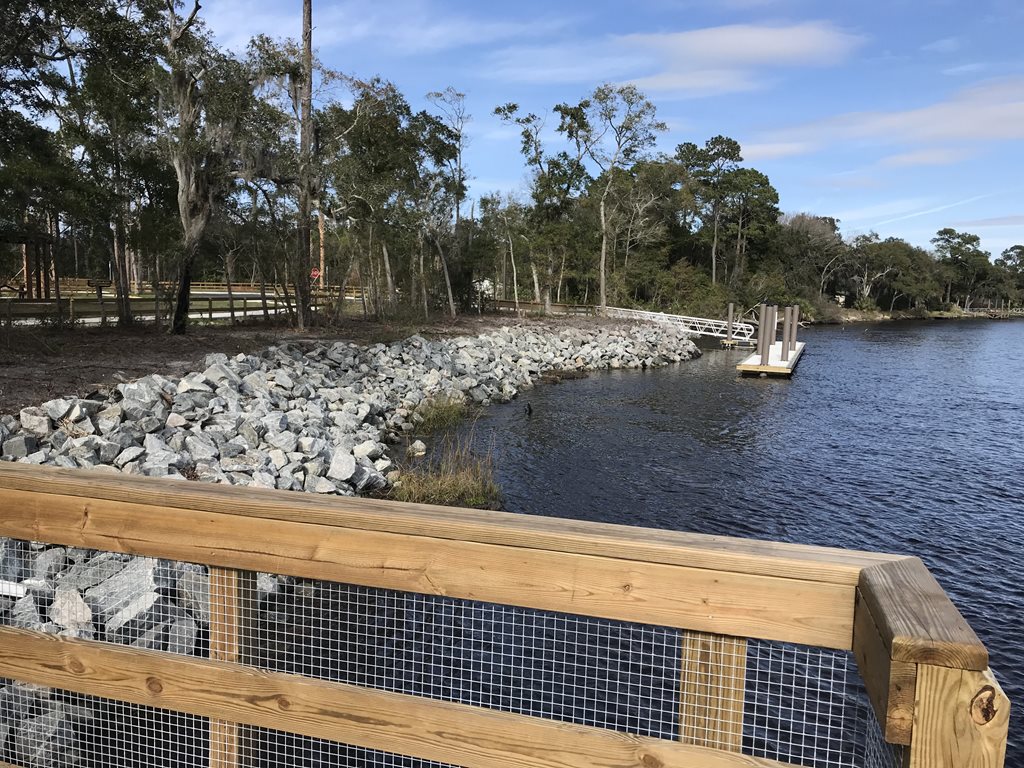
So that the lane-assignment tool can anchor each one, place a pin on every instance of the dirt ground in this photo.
(39, 364)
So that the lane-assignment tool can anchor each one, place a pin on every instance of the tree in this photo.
(209, 93)
(557, 178)
(620, 126)
(971, 265)
(707, 168)
(452, 105)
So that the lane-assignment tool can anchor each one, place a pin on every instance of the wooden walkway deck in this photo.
(776, 365)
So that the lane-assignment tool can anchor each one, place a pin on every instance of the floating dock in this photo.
(774, 357)
(775, 366)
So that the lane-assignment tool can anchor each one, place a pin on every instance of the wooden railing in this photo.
(504, 305)
(924, 669)
(81, 309)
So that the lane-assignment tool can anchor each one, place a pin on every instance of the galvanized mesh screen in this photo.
(795, 704)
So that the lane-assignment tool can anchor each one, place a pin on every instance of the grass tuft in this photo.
(439, 415)
(453, 476)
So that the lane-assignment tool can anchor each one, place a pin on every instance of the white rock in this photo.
(343, 466)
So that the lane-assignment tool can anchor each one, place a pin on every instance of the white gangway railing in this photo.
(701, 326)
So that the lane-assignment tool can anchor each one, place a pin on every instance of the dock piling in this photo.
(764, 340)
(787, 320)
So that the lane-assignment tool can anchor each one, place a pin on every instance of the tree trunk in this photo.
(387, 272)
(54, 249)
(321, 230)
(714, 249)
(512, 256)
(447, 279)
(229, 270)
(423, 280)
(604, 249)
(536, 285)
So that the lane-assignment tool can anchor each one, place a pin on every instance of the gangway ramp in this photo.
(700, 326)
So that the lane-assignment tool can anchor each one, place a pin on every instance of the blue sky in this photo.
(898, 116)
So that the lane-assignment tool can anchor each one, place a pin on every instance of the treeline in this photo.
(132, 146)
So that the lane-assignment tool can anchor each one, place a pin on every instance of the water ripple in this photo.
(900, 437)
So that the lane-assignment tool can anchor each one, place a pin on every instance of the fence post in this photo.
(231, 605)
(728, 327)
(713, 680)
(961, 719)
(71, 310)
(209, 307)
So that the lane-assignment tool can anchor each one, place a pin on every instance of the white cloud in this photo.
(998, 221)
(966, 69)
(405, 27)
(989, 111)
(753, 153)
(563, 63)
(929, 156)
(699, 62)
(945, 45)
(809, 43)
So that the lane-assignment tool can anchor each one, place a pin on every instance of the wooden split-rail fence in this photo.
(727, 607)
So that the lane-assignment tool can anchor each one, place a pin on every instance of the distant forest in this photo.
(132, 146)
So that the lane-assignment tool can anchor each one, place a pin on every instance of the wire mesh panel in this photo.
(52, 728)
(795, 704)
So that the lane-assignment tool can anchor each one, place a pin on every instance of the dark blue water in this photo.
(896, 437)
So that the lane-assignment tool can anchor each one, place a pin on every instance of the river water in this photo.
(903, 437)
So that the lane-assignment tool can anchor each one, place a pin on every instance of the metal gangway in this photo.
(701, 326)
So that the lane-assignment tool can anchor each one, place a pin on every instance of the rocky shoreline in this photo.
(311, 416)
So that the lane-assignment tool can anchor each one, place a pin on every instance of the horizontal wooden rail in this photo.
(721, 553)
(463, 734)
(740, 604)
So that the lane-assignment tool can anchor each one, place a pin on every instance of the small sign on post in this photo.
(314, 274)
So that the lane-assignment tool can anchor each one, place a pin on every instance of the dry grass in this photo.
(453, 475)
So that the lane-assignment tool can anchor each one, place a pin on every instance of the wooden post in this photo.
(762, 321)
(769, 334)
(714, 670)
(787, 319)
(961, 719)
(728, 327)
(209, 307)
(71, 310)
(231, 596)
(796, 324)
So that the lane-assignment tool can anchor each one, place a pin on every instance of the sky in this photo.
(895, 116)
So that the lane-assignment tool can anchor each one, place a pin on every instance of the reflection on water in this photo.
(898, 437)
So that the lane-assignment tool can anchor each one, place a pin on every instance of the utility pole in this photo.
(302, 279)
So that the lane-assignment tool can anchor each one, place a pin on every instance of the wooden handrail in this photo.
(925, 670)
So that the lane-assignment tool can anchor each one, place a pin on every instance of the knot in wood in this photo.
(76, 666)
(154, 685)
(283, 703)
(650, 761)
(983, 705)
(627, 588)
